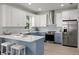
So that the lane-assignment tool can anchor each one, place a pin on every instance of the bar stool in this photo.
(5, 48)
(18, 50)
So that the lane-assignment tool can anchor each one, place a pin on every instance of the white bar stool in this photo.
(5, 48)
(18, 50)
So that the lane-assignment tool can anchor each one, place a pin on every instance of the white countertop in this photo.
(26, 38)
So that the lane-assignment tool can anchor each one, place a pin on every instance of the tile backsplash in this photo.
(14, 29)
(23, 30)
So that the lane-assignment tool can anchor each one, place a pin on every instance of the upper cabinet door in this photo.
(65, 15)
(70, 14)
(43, 20)
(40, 20)
(7, 15)
(58, 19)
(18, 17)
(73, 14)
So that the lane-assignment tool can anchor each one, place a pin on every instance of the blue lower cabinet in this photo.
(58, 37)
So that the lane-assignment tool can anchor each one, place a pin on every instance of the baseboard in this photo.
(71, 46)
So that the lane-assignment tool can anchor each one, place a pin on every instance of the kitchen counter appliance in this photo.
(70, 33)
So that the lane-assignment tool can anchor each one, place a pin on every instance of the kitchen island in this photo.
(34, 44)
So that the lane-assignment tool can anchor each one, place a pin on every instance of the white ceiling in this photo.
(48, 6)
(45, 6)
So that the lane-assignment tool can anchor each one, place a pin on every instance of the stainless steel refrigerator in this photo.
(70, 33)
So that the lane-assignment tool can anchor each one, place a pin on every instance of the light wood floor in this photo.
(57, 49)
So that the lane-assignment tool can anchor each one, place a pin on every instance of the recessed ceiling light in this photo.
(29, 3)
(62, 5)
(39, 9)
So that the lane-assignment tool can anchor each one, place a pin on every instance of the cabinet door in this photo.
(73, 14)
(40, 20)
(59, 19)
(7, 15)
(65, 15)
(18, 17)
(70, 14)
(43, 20)
(37, 20)
(58, 37)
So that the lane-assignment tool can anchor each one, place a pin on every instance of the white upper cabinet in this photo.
(18, 17)
(14, 17)
(58, 19)
(7, 15)
(74, 14)
(70, 14)
(65, 15)
(40, 20)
